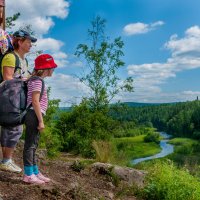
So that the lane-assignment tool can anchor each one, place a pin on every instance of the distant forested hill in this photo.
(137, 104)
(180, 119)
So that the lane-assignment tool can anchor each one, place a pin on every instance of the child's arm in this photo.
(36, 106)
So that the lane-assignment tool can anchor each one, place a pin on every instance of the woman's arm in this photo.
(36, 107)
(8, 73)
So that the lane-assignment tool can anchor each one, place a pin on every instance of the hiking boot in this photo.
(32, 179)
(10, 166)
(43, 178)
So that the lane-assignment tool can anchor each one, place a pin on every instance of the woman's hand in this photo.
(41, 126)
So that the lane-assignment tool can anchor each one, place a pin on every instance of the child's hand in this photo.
(41, 126)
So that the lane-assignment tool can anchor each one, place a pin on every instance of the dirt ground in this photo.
(66, 184)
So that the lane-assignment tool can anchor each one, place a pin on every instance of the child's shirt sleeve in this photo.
(36, 86)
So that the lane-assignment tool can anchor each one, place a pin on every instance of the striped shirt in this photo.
(33, 86)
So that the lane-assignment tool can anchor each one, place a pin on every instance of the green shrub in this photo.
(77, 166)
(102, 150)
(51, 141)
(152, 137)
(196, 148)
(185, 149)
(196, 135)
(81, 126)
(165, 182)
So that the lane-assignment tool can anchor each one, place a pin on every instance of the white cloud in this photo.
(189, 92)
(50, 44)
(61, 59)
(140, 28)
(67, 88)
(193, 31)
(38, 13)
(137, 28)
(149, 77)
(189, 45)
(158, 23)
(154, 96)
(77, 64)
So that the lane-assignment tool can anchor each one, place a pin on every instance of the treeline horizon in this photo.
(181, 119)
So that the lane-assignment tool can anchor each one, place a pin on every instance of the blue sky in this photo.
(162, 44)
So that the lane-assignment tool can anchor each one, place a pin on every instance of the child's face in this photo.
(49, 72)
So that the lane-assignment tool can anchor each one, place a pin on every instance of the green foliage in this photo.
(103, 59)
(80, 127)
(102, 150)
(130, 129)
(51, 141)
(126, 190)
(185, 146)
(126, 149)
(196, 134)
(196, 147)
(179, 119)
(186, 154)
(182, 141)
(165, 182)
(114, 178)
(53, 106)
(77, 166)
(10, 20)
(152, 137)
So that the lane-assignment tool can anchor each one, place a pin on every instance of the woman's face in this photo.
(25, 45)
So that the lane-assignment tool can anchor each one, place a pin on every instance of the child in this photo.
(44, 67)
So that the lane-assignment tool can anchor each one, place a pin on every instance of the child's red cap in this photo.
(44, 61)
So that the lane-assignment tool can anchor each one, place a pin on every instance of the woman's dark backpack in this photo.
(13, 101)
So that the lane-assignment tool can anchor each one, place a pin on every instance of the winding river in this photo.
(166, 149)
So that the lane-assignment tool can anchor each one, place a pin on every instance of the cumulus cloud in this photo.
(38, 13)
(161, 97)
(49, 44)
(149, 77)
(67, 88)
(189, 45)
(140, 28)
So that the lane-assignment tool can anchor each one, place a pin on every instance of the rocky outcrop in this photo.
(71, 180)
(130, 175)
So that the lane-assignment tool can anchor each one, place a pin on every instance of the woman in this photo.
(22, 43)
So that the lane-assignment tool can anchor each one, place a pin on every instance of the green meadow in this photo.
(128, 148)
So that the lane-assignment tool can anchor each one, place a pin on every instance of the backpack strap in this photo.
(27, 66)
(42, 91)
(17, 63)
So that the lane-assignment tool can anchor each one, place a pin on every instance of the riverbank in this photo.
(166, 149)
(128, 148)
